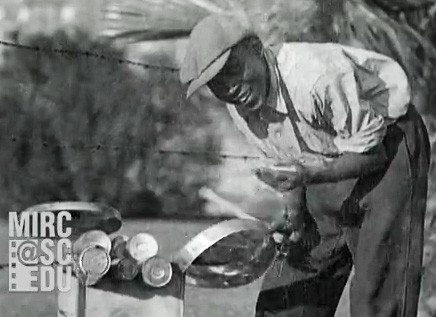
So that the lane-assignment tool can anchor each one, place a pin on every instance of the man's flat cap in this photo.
(209, 47)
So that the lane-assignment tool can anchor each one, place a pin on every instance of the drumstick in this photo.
(230, 208)
(81, 297)
(291, 168)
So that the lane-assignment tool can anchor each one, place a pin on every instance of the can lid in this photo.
(94, 260)
(141, 247)
(156, 272)
(126, 269)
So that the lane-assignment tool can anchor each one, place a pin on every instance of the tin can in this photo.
(126, 270)
(141, 247)
(91, 264)
(118, 250)
(93, 237)
(156, 272)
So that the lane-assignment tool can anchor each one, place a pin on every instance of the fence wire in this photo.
(87, 53)
(97, 147)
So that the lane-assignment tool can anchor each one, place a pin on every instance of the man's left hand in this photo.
(282, 177)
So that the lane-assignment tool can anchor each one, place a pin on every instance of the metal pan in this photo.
(228, 254)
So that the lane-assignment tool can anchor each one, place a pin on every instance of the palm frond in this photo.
(146, 20)
(141, 20)
(401, 5)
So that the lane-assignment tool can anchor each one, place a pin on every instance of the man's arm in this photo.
(348, 165)
(287, 176)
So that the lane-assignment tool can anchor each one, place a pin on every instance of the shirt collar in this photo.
(271, 61)
(268, 112)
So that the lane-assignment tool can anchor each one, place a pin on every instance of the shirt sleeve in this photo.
(357, 126)
(382, 79)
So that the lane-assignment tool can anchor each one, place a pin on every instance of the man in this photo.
(368, 193)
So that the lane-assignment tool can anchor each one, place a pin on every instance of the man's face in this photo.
(244, 79)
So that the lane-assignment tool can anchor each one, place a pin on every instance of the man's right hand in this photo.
(296, 240)
(302, 231)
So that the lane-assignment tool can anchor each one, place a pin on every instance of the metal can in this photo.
(93, 237)
(92, 264)
(141, 247)
(126, 270)
(156, 272)
(119, 247)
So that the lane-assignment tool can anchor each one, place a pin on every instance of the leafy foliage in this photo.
(83, 128)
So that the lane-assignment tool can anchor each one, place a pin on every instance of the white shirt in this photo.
(344, 98)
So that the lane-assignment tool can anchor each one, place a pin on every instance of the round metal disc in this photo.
(94, 260)
(141, 247)
(126, 269)
(157, 272)
(229, 254)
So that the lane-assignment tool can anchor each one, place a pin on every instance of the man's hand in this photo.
(289, 227)
(296, 235)
(282, 177)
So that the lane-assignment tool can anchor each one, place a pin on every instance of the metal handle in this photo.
(205, 239)
(90, 216)
(240, 270)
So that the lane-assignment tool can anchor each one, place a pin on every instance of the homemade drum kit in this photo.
(129, 275)
(124, 258)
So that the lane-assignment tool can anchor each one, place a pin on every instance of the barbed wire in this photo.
(87, 53)
(101, 147)
(97, 147)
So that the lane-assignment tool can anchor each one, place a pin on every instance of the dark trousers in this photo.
(374, 223)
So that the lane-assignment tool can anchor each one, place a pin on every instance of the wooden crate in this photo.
(110, 297)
